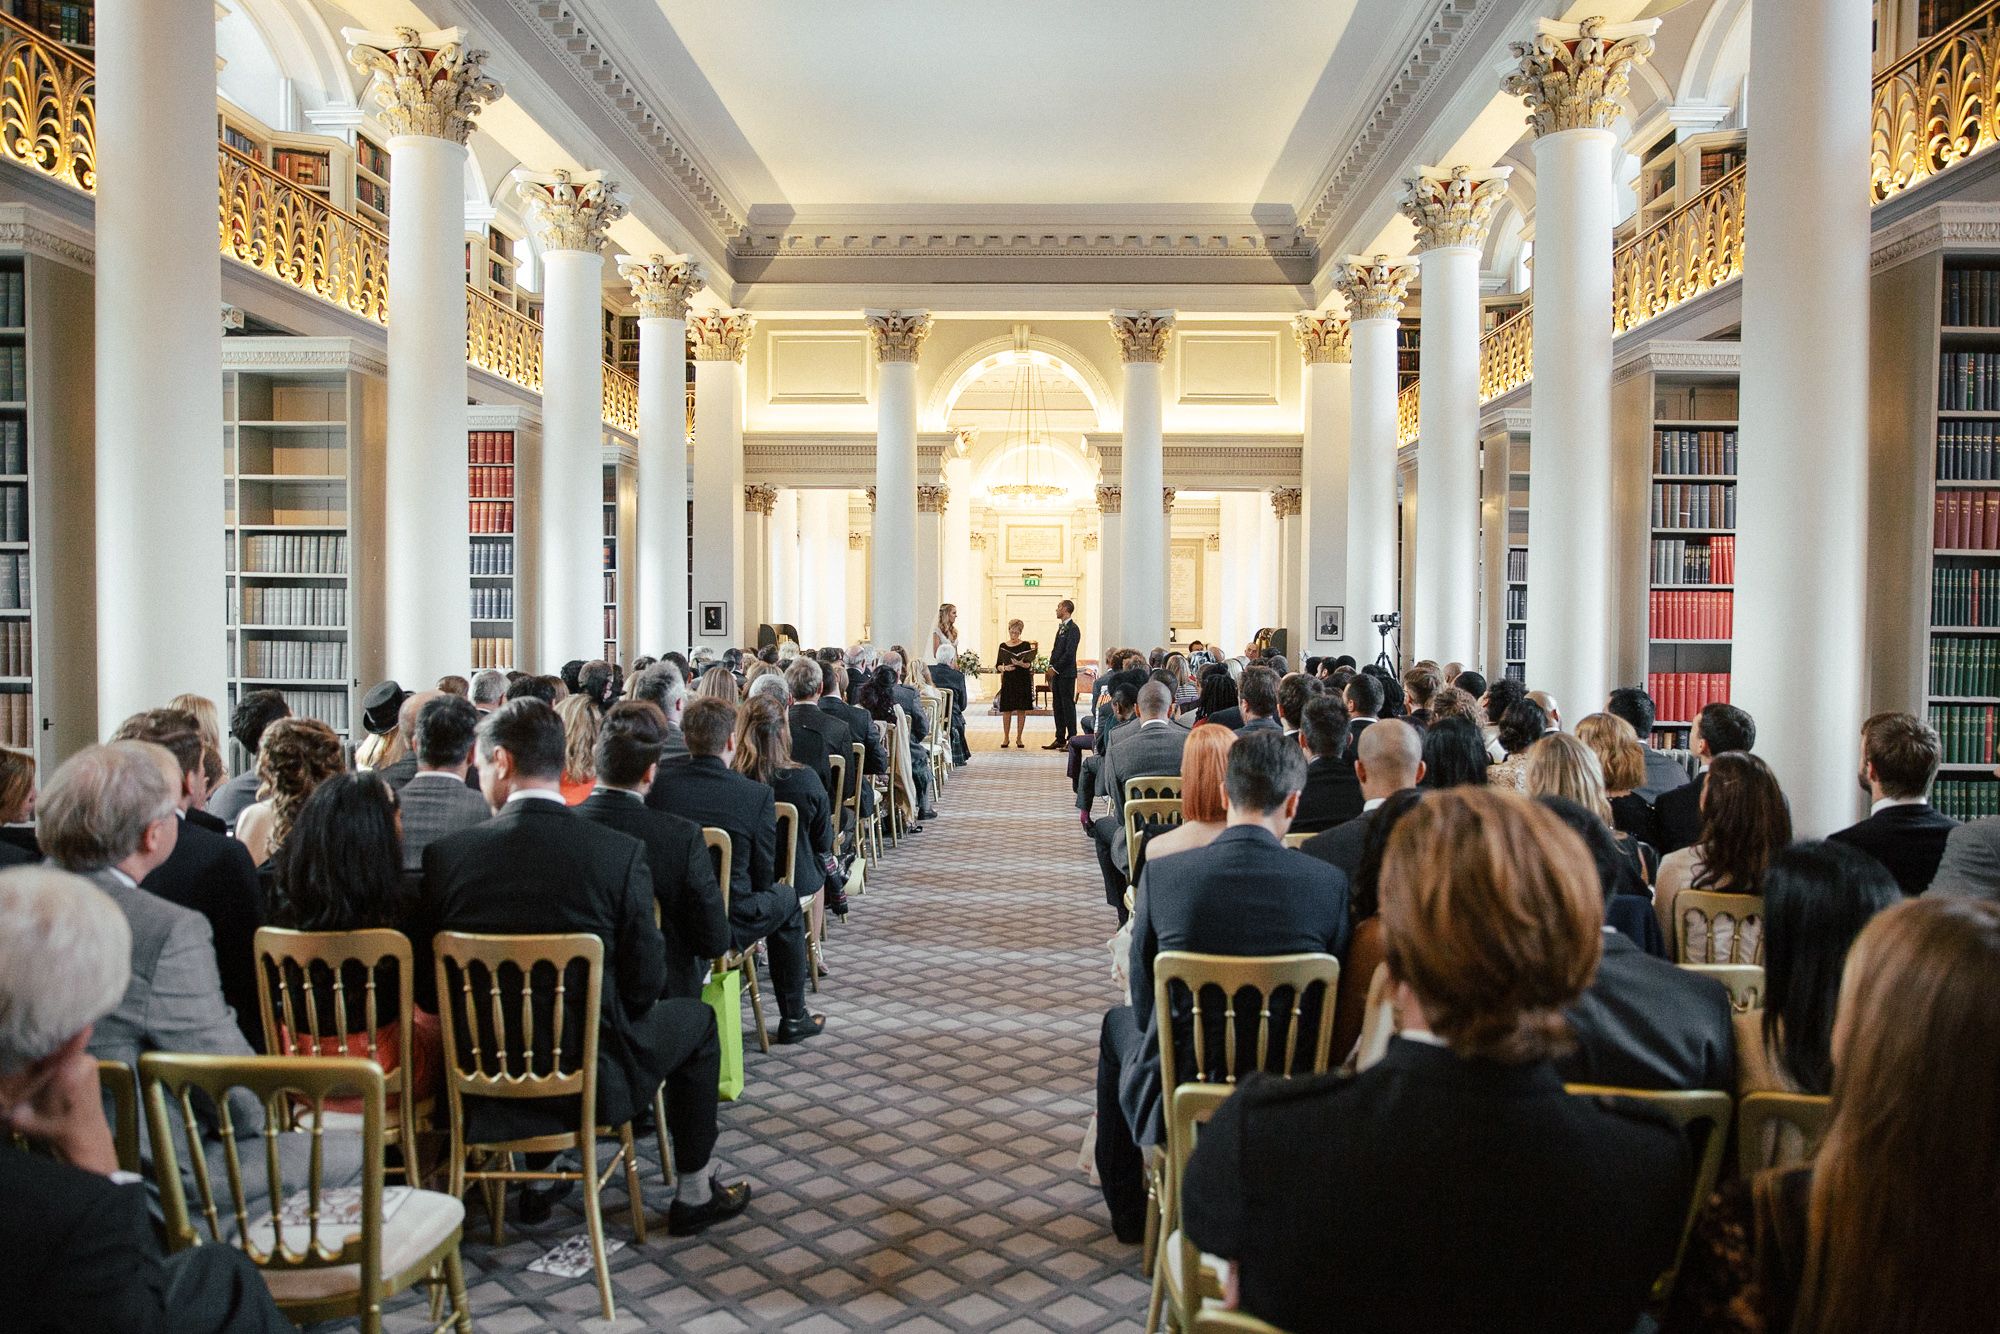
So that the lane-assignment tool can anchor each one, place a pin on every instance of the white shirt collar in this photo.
(1371, 804)
(1423, 1035)
(535, 794)
(631, 792)
(1155, 722)
(1887, 802)
(123, 879)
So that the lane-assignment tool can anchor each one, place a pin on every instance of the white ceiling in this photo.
(1034, 103)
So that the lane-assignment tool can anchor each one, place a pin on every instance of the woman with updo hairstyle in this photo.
(295, 757)
(1455, 1184)
(1521, 726)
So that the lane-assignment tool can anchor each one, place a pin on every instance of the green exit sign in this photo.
(1031, 581)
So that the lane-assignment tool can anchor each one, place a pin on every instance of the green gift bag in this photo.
(724, 995)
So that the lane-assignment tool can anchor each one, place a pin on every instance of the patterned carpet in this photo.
(916, 1167)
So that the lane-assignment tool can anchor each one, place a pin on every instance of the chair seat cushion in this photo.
(425, 1221)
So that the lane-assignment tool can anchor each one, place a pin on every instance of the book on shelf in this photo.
(1967, 451)
(13, 447)
(1682, 560)
(1966, 520)
(1694, 504)
(1517, 566)
(1966, 799)
(13, 298)
(490, 481)
(17, 648)
(1680, 697)
(295, 659)
(295, 553)
(491, 651)
(1694, 451)
(1704, 614)
(303, 166)
(14, 373)
(17, 724)
(1969, 381)
(490, 447)
(1517, 604)
(13, 512)
(1719, 162)
(311, 606)
(493, 604)
(14, 581)
(1966, 732)
(326, 706)
(493, 559)
(1964, 666)
(1964, 594)
(1517, 641)
(1972, 298)
(491, 517)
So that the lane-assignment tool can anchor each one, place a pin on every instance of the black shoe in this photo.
(724, 1203)
(540, 1198)
(927, 815)
(1055, 745)
(798, 1030)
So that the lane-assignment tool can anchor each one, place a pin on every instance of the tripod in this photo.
(1385, 660)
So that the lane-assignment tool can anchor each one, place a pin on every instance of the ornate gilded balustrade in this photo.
(295, 236)
(502, 340)
(1696, 247)
(1406, 414)
(1507, 354)
(621, 400)
(1936, 106)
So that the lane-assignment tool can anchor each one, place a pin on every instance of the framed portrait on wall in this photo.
(1329, 623)
(714, 618)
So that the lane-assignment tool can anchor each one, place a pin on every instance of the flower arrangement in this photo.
(969, 663)
(1042, 665)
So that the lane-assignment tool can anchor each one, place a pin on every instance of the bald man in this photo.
(1390, 758)
(403, 770)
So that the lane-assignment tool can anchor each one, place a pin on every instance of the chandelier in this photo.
(1027, 442)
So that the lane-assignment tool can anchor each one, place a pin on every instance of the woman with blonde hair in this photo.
(581, 722)
(949, 677)
(296, 756)
(1560, 765)
(718, 683)
(208, 722)
(1015, 663)
(1623, 760)
(17, 787)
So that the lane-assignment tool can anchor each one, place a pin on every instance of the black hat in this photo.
(380, 706)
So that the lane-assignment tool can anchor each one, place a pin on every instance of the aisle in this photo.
(916, 1167)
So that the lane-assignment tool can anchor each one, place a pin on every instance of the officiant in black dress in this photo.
(1015, 663)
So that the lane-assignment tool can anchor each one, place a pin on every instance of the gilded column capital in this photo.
(1090, 540)
(1285, 501)
(931, 499)
(897, 334)
(760, 499)
(428, 83)
(1575, 76)
(1167, 499)
(1142, 334)
(569, 210)
(871, 498)
(1322, 337)
(720, 335)
(662, 284)
(1110, 499)
(977, 541)
(857, 541)
(1373, 285)
(1213, 542)
(1453, 205)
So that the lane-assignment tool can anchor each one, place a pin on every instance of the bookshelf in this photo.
(621, 341)
(73, 23)
(611, 560)
(371, 180)
(499, 442)
(303, 427)
(1504, 542)
(1409, 347)
(621, 518)
(490, 265)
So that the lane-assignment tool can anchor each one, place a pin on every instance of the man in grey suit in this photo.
(436, 801)
(661, 685)
(1970, 868)
(1149, 746)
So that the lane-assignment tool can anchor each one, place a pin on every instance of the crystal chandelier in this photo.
(1027, 441)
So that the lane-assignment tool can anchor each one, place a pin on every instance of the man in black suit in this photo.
(208, 872)
(1899, 758)
(1364, 704)
(1332, 794)
(1243, 894)
(707, 791)
(1149, 746)
(1721, 728)
(804, 679)
(692, 916)
(860, 727)
(536, 868)
(1635, 706)
(661, 685)
(256, 711)
(1295, 690)
(1062, 674)
(1388, 759)
(1257, 698)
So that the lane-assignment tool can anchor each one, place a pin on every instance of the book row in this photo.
(14, 373)
(13, 298)
(492, 516)
(17, 720)
(14, 581)
(326, 706)
(1694, 504)
(1671, 738)
(1969, 381)
(1516, 671)
(14, 512)
(1691, 615)
(1517, 604)
(489, 446)
(295, 659)
(1964, 595)
(610, 624)
(13, 446)
(1710, 451)
(311, 606)
(1517, 642)
(1972, 297)
(493, 604)
(17, 648)
(487, 482)
(1517, 565)
(488, 651)
(1963, 665)
(295, 553)
(1966, 798)
(1966, 519)
(1679, 697)
(1968, 451)
(493, 558)
(610, 587)
(1676, 560)
(1966, 731)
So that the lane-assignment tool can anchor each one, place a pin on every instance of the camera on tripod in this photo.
(1389, 620)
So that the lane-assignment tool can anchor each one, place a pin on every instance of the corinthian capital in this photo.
(931, 499)
(662, 284)
(429, 84)
(1110, 499)
(760, 499)
(1373, 286)
(1285, 501)
(1452, 205)
(720, 335)
(897, 333)
(1322, 336)
(1574, 76)
(569, 211)
(1142, 334)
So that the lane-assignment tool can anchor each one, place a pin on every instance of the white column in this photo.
(786, 604)
(719, 338)
(159, 362)
(662, 285)
(1451, 207)
(894, 614)
(1111, 557)
(570, 212)
(1803, 472)
(857, 578)
(1142, 575)
(956, 583)
(1326, 391)
(1091, 642)
(1574, 78)
(1374, 288)
(1240, 525)
(758, 503)
(426, 558)
(932, 500)
(1285, 504)
(823, 568)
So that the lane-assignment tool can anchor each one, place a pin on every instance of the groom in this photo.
(1062, 674)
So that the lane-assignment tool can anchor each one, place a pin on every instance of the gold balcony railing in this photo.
(1406, 413)
(1696, 247)
(1935, 107)
(48, 124)
(1507, 354)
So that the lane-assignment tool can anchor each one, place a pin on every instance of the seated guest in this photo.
(1970, 867)
(1149, 746)
(1243, 894)
(1623, 761)
(454, 684)
(1891, 1225)
(1257, 694)
(1390, 760)
(881, 696)
(1294, 689)
(1217, 703)
(547, 689)
(661, 686)
(1899, 758)
(707, 791)
(693, 918)
(1473, 686)
(1204, 805)
(1501, 696)
(381, 708)
(1365, 947)
(1563, 766)
(256, 711)
(1520, 727)
(1454, 1185)
(1332, 793)
(1421, 684)
(1454, 754)
(342, 870)
(1549, 707)
(399, 773)
(764, 754)
(1628, 900)
(1720, 729)
(580, 717)
(297, 756)
(1451, 702)
(17, 809)
(1663, 772)
(1745, 821)
(207, 871)
(435, 801)
(111, 814)
(600, 683)
(1393, 703)
(81, 1249)
(536, 869)
(1365, 695)
(860, 728)
(816, 735)
(489, 686)
(1817, 898)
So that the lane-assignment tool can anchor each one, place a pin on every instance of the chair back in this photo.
(1145, 817)
(1703, 1112)
(851, 795)
(896, 737)
(296, 1234)
(1779, 1129)
(1214, 985)
(722, 852)
(788, 844)
(1718, 928)
(1296, 840)
(836, 773)
(1378, 1019)
(120, 1083)
(1152, 787)
(1744, 980)
(1192, 1107)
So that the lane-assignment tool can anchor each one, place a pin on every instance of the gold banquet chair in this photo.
(787, 874)
(490, 1052)
(1779, 1129)
(1153, 787)
(1296, 840)
(1144, 818)
(1191, 1282)
(734, 960)
(1718, 928)
(1745, 981)
(324, 1255)
(120, 1083)
(868, 829)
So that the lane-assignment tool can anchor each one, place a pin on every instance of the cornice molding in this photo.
(1678, 357)
(17, 232)
(1191, 240)
(1939, 227)
(277, 350)
(1506, 421)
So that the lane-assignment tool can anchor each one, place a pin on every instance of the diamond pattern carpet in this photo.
(916, 1166)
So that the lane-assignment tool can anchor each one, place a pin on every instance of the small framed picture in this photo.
(1328, 622)
(714, 618)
